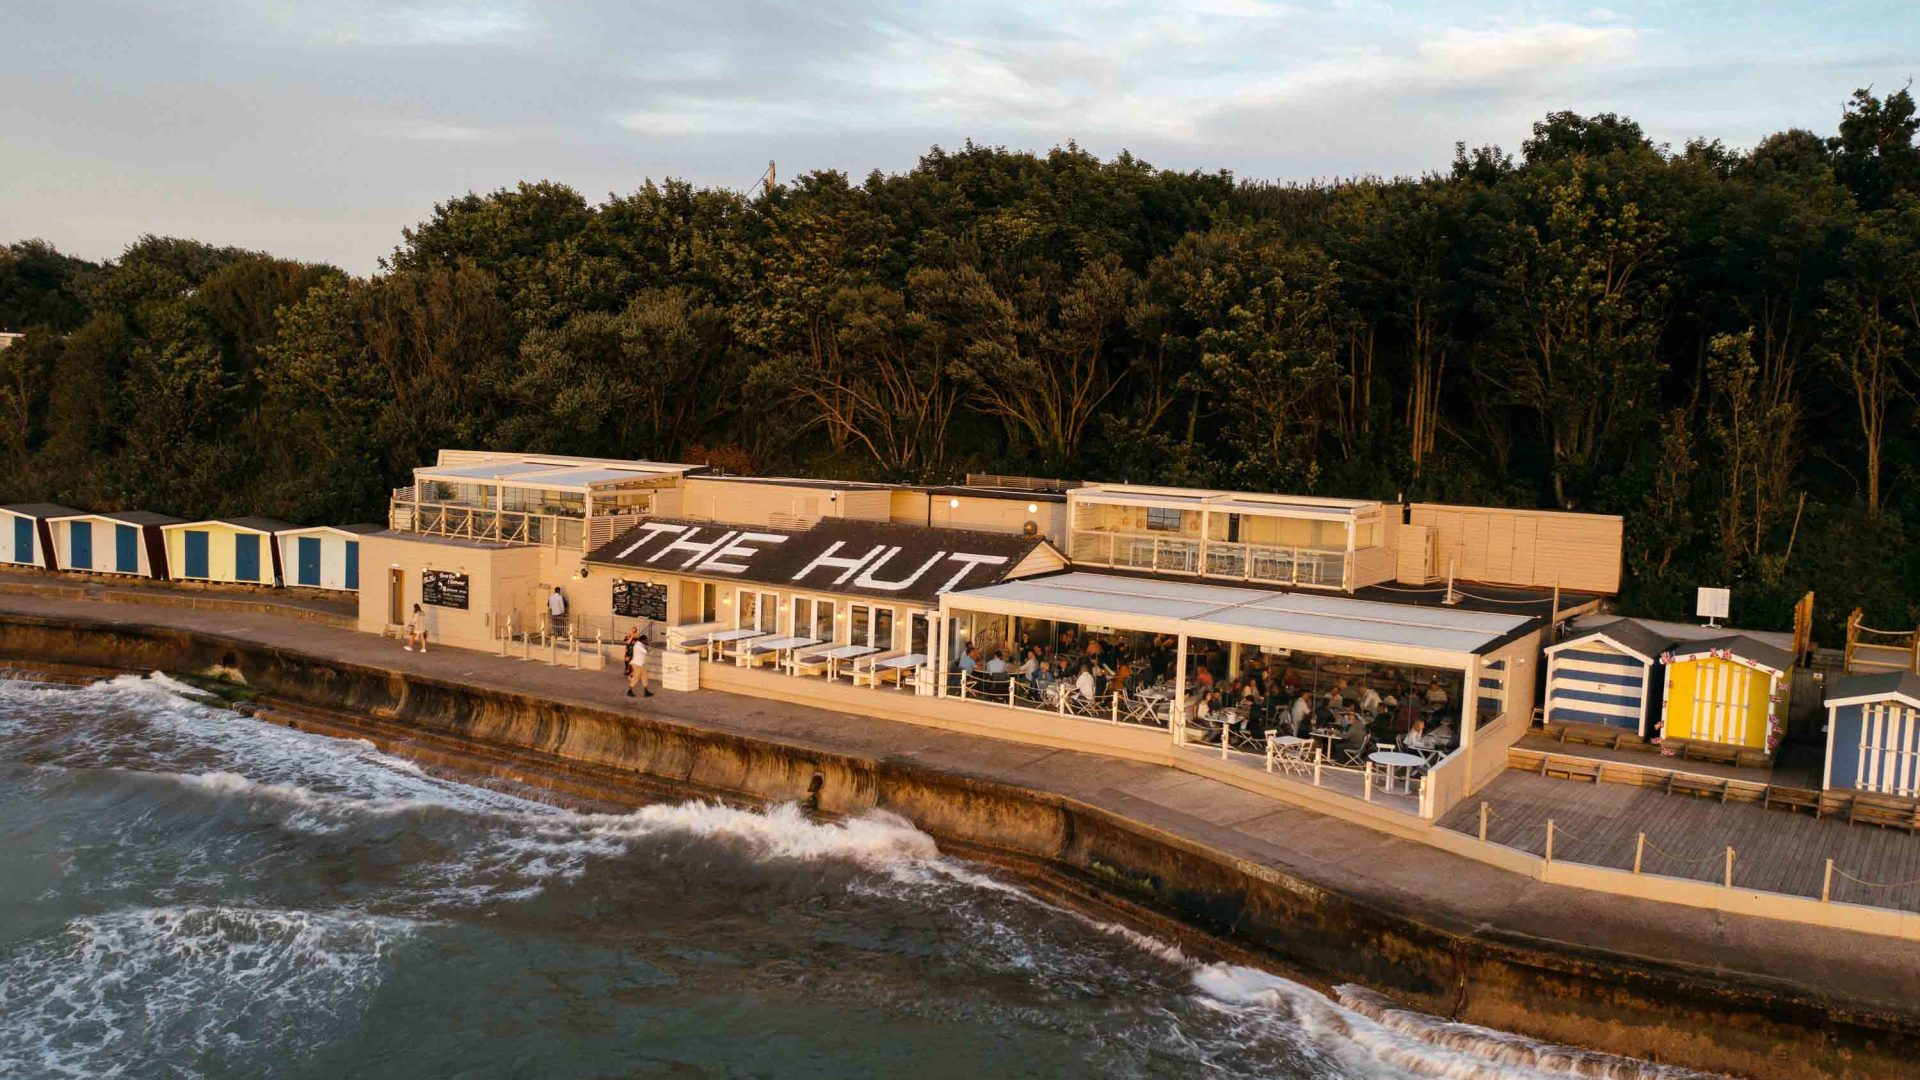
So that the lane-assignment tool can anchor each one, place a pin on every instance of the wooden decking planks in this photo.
(1774, 850)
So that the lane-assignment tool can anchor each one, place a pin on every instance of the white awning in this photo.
(1331, 624)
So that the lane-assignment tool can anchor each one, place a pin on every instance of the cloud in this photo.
(319, 130)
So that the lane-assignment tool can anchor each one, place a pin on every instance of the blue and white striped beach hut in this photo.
(1606, 674)
(1873, 734)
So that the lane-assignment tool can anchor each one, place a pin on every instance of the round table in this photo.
(1393, 759)
(1328, 736)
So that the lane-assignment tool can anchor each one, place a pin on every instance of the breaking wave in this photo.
(218, 967)
(115, 993)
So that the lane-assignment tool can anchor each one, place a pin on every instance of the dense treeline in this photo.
(1722, 346)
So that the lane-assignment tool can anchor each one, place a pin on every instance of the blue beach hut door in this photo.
(196, 553)
(81, 545)
(126, 549)
(246, 557)
(309, 561)
(353, 564)
(23, 540)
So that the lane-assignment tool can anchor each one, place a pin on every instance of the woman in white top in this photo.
(637, 670)
(1083, 685)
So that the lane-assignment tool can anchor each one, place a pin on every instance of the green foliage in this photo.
(1723, 346)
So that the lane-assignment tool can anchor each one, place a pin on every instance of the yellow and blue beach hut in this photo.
(25, 539)
(1731, 691)
(237, 550)
(126, 542)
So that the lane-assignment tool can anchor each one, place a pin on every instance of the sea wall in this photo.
(1630, 1006)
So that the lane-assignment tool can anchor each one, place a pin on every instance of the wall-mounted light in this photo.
(1033, 508)
(727, 600)
(953, 504)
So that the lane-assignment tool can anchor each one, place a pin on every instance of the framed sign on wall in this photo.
(443, 588)
(639, 600)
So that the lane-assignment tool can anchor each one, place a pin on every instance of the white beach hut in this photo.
(323, 556)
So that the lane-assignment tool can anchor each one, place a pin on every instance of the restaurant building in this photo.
(1430, 617)
(865, 593)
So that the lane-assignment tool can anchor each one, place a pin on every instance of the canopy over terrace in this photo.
(1477, 647)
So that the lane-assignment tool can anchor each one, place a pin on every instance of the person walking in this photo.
(417, 629)
(637, 664)
(557, 607)
(626, 663)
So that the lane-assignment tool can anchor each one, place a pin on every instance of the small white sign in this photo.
(1713, 603)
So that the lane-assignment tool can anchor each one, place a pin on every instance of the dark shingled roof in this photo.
(1647, 642)
(1880, 684)
(131, 517)
(1738, 645)
(258, 524)
(41, 510)
(920, 557)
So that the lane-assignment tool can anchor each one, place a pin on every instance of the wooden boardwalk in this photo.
(1687, 837)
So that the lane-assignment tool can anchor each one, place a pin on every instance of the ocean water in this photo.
(188, 893)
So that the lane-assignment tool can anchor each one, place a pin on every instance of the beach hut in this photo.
(112, 542)
(323, 556)
(238, 550)
(1873, 734)
(1607, 674)
(24, 537)
(1730, 690)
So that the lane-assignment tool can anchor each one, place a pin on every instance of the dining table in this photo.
(845, 652)
(1392, 760)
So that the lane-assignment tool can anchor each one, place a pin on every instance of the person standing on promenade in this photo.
(557, 608)
(637, 663)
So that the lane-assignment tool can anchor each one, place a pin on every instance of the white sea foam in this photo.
(1366, 1032)
(122, 991)
(506, 848)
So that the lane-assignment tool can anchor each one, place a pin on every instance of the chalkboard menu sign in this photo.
(443, 588)
(639, 600)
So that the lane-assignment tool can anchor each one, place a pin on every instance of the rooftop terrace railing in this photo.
(1266, 564)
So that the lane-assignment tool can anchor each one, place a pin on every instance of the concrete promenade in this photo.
(1458, 895)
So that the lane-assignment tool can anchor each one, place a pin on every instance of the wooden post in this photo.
(1826, 885)
(1483, 821)
(1549, 841)
(1729, 866)
(1639, 850)
(1116, 707)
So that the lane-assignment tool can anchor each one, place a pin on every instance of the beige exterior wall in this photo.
(745, 502)
(997, 515)
(494, 576)
(1541, 548)
(1523, 658)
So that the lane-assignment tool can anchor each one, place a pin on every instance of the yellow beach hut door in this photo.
(1723, 702)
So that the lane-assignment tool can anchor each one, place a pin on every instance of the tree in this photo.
(1874, 154)
(1868, 326)
(1576, 303)
(1047, 359)
(1755, 434)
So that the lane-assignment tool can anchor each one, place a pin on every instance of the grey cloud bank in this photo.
(319, 133)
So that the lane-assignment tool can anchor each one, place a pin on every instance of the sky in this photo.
(319, 130)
